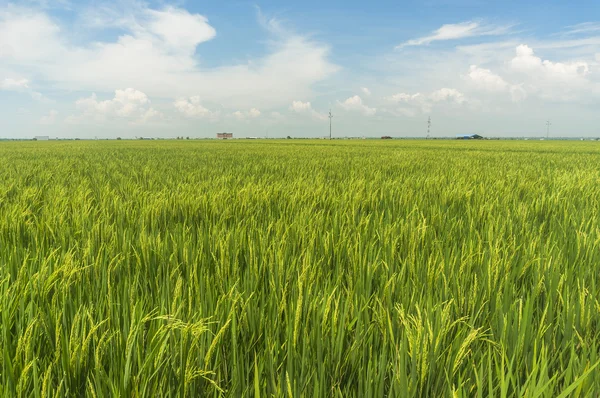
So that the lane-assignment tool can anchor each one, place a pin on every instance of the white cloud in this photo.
(245, 115)
(448, 95)
(366, 91)
(458, 31)
(150, 115)
(14, 84)
(156, 53)
(27, 36)
(37, 96)
(527, 61)
(417, 100)
(355, 103)
(517, 92)
(179, 29)
(192, 107)
(300, 107)
(403, 97)
(21, 85)
(565, 81)
(583, 28)
(125, 103)
(306, 108)
(425, 103)
(486, 80)
(130, 104)
(50, 118)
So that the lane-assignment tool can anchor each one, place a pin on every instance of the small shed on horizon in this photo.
(469, 137)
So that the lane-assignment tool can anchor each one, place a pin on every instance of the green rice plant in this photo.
(300, 268)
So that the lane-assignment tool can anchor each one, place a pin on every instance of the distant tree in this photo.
(187, 138)
(289, 138)
(119, 138)
(34, 139)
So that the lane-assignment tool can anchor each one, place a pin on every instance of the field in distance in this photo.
(300, 268)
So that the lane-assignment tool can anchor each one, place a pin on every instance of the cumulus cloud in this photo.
(129, 103)
(27, 36)
(149, 115)
(425, 102)
(417, 100)
(245, 115)
(552, 80)
(458, 31)
(124, 103)
(403, 97)
(517, 92)
(300, 107)
(366, 91)
(486, 80)
(448, 95)
(50, 118)
(179, 29)
(192, 107)
(307, 109)
(356, 104)
(157, 52)
(527, 61)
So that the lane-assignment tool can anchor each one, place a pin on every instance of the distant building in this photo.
(224, 136)
(41, 138)
(469, 137)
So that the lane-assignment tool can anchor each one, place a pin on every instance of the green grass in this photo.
(300, 268)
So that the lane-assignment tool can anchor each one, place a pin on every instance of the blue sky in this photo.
(181, 68)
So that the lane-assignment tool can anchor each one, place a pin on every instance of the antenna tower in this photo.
(428, 127)
(330, 119)
(548, 124)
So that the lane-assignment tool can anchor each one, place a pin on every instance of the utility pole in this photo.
(428, 127)
(330, 118)
(548, 124)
